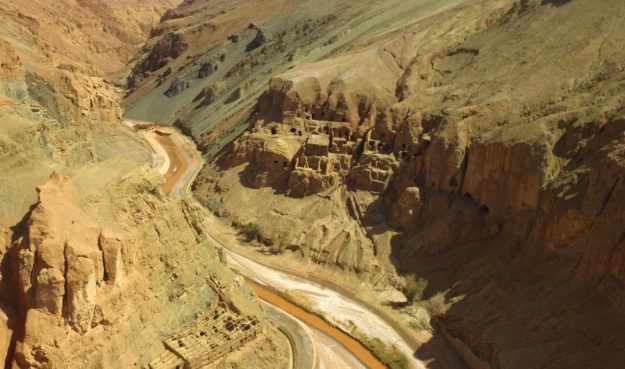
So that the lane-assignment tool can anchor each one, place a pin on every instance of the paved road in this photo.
(301, 341)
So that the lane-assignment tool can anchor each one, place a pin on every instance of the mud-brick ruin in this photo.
(212, 336)
(311, 155)
(207, 339)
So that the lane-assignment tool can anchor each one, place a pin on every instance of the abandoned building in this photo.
(317, 145)
(207, 339)
(331, 150)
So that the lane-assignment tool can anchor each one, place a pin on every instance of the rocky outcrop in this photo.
(166, 48)
(206, 69)
(114, 251)
(64, 257)
(93, 267)
(328, 127)
(175, 87)
(258, 40)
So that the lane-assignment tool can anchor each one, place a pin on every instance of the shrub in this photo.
(437, 305)
(413, 288)
(279, 242)
(390, 356)
(250, 231)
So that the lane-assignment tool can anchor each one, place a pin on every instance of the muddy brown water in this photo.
(176, 159)
(353, 346)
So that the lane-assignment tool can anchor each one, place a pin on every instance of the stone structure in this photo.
(208, 339)
(326, 153)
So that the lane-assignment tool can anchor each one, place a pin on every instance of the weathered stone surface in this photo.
(9, 60)
(50, 290)
(175, 87)
(112, 247)
(206, 69)
(501, 176)
(7, 329)
(81, 293)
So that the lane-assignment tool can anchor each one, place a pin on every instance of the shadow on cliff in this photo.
(449, 275)
(508, 298)
(9, 301)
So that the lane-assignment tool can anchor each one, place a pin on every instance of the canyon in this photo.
(438, 180)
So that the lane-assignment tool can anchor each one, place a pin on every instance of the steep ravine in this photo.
(472, 148)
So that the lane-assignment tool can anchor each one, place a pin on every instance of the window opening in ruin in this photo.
(293, 130)
(299, 133)
(273, 131)
(484, 208)
(275, 162)
(403, 146)
(285, 164)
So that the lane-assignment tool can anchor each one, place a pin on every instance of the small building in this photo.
(317, 145)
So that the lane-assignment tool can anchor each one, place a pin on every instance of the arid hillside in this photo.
(455, 167)
(55, 56)
(97, 264)
(477, 145)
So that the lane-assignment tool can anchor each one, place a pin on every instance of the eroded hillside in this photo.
(476, 144)
(98, 264)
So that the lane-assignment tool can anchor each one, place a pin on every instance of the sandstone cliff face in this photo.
(496, 171)
(95, 266)
(62, 258)
(94, 255)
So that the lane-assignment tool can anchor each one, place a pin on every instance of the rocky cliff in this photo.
(97, 264)
(480, 148)
(54, 57)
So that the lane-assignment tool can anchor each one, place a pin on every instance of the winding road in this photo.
(314, 343)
